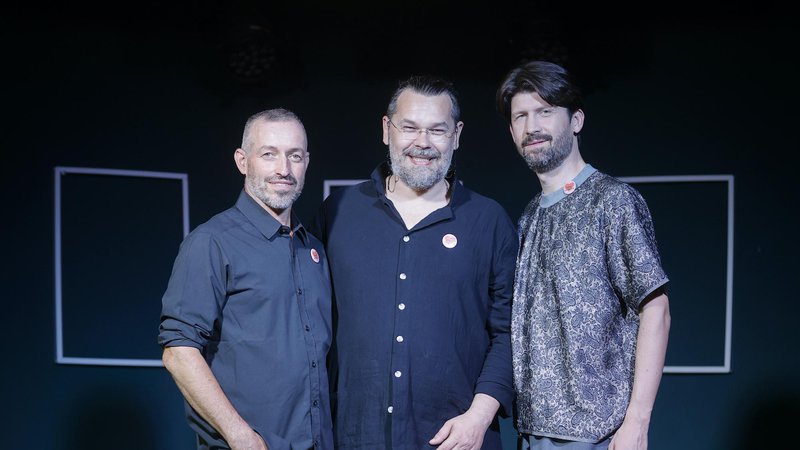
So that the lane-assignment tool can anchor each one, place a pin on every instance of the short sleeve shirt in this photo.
(587, 259)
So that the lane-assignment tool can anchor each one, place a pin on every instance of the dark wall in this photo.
(152, 89)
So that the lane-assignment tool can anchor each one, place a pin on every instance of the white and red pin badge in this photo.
(449, 240)
(569, 188)
(315, 255)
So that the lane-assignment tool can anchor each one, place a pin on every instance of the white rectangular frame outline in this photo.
(726, 367)
(59, 172)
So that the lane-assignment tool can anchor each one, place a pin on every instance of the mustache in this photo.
(421, 153)
(288, 177)
(536, 137)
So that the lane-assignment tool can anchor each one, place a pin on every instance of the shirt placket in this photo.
(403, 315)
(308, 337)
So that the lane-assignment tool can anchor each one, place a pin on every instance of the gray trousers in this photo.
(530, 442)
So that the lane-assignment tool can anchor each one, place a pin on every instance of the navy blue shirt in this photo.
(255, 298)
(423, 315)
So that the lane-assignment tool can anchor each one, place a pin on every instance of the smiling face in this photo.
(544, 134)
(422, 137)
(274, 164)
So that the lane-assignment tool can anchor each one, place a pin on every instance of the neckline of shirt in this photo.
(547, 200)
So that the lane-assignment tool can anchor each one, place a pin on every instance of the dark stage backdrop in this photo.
(697, 114)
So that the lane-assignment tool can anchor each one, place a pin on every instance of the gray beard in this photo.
(551, 157)
(419, 178)
(277, 201)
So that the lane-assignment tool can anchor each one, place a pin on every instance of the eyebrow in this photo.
(272, 147)
(517, 111)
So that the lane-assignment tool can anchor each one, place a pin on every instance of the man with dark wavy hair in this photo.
(590, 316)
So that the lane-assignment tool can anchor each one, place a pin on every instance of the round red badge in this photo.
(449, 241)
(314, 255)
(569, 188)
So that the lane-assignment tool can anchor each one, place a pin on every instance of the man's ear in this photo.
(385, 126)
(577, 121)
(459, 128)
(240, 158)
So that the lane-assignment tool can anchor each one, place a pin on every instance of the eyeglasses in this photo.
(435, 134)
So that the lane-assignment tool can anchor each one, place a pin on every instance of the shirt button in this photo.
(399, 338)
(313, 364)
(390, 409)
(299, 291)
(401, 306)
(406, 238)
(398, 374)
(315, 403)
(308, 328)
(402, 276)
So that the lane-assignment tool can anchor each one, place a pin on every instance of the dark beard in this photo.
(551, 157)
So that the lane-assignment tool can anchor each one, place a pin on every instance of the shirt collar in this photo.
(457, 193)
(547, 200)
(263, 221)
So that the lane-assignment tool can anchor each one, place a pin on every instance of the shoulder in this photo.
(533, 204)
(346, 202)
(351, 193)
(217, 226)
(614, 192)
(482, 207)
(621, 204)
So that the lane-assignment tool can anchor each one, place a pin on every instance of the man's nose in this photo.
(423, 139)
(532, 125)
(282, 166)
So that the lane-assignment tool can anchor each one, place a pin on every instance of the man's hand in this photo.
(248, 441)
(630, 436)
(465, 432)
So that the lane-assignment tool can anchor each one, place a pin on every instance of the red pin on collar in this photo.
(569, 188)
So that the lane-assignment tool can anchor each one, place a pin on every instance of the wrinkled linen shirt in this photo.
(423, 314)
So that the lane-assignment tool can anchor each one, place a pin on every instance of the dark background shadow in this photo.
(766, 419)
(108, 416)
(167, 87)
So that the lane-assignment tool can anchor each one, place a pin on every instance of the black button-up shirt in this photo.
(423, 315)
(255, 298)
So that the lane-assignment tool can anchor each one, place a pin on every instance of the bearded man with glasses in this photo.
(422, 270)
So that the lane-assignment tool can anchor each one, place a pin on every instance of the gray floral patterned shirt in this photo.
(587, 259)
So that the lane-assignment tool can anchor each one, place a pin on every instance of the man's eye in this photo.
(547, 111)
(409, 130)
(437, 132)
(295, 157)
